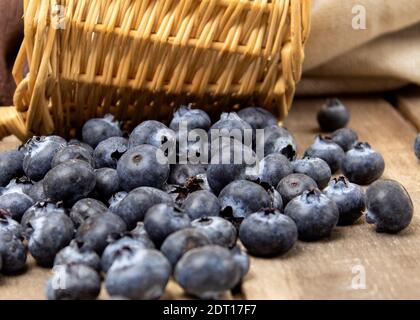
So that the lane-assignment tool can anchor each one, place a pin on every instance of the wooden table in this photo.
(390, 264)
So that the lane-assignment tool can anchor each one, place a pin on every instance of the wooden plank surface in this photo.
(409, 105)
(326, 269)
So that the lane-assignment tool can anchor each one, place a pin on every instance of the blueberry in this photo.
(37, 192)
(139, 231)
(231, 162)
(16, 203)
(180, 173)
(327, 150)
(276, 199)
(389, 206)
(134, 206)
(362, 164)
(109, 151)
(294, 185)
(72, 153)
(48, 234)
(99, 129)
(13, 252)
(201, 203)
(273, 168)
(7, 224)
(123, 246)
(107, 184)
(140, 276)
(73, 282)
(333, 115)
(75, 142)
(242, 260)
(416, 146)
(86, 208)
(278, 140)
(140, 167)
(162, 220)
(219, 231)
(258, 118)
(207, 272)
(182, 241)
(115, 200)
(153, 133)
(70, 181)
(243, 197)
(315, 168)
(95, 231)
(11, 166)
(314, 213)
(193, 118)
(346, 138)
(42, 209)
(39, 155)
(349, 198)
(268, 233)
(232, 126)
(73, 254)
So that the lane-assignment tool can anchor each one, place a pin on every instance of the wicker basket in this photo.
(139, 59)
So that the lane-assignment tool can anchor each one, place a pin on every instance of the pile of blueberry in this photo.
(105, 208)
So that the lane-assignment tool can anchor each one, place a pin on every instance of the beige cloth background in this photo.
(385, 56)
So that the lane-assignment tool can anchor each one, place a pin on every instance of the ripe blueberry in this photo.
(16, 203)
(278, 140)
(201, 203)
(11, 163)
(86, 208)
(346, 138)
(75, 142)
(72, 153)
(180, 173)
(97, 130)
(153, 133)
(333, 115)
(273, 168)
(230, 125)
(109, 151)
(73, 254)
(13, 252)
(218, 230)
(315, 168)
(294, 185)
(193, 118)
(258, 118)
(327, 150)
(107, 183)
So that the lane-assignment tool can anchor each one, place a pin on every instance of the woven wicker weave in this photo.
(140, 59)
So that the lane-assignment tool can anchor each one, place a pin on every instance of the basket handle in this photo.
(12, 123)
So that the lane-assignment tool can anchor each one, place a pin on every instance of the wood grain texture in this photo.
(322, 270)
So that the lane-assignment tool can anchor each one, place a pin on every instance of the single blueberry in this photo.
(69, 181)
(8, 224)
(231, 125)
(73, 254)
(201, 203)
(42, 209)
(273, 168)
(258, 118)
(153, 133)
(182, 241)
(86, 208)
(219, 231)
(39, 155)
(142, 275)
(277, 140)
(47, 235)
(93, 234)
(135, 205)
(96, 130)
(126, 245)
(192, 118)
(327, 150)
(142, 166)
(13, 252)
(243, 197)
(314, 213)
(268, 233)
(162, 220)
(389, 206)
(16, 203)
(316, 168)
(11, 166)
(109, 151)
(294, 185)
(333, 115)
(107, 184)
(362, 164)
(346, 138)
(81, 283)
(207, 272)
(37, 192)
(75, 142)
(350, 200)
(72, 153)
(180, 173)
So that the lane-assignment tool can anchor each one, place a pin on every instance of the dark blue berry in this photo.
(389, 206)
(278, 140)
(315, 168)
(346, 138)
(230, 125)
(7, 224)
(350, 200)
(72, 153)
(86, 208)
(218, 230)
(268, 233)
(315, 215)
(192, 118)
(142, 275)
(11, 166)
(333, 115)
(273, 168)
(294, 185)
(73, 254)
(99, 129)
(258, 118)
(37, 192)
(13, 252)
(16, 203)
(162, 220)
(109, 151)
(180, 173)
(142, 167)
(327, 150)
(153, 133)
(362, 164)
(207, 272)
(107, 183)
(75, 142)
(201, 203)
(42, 209)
